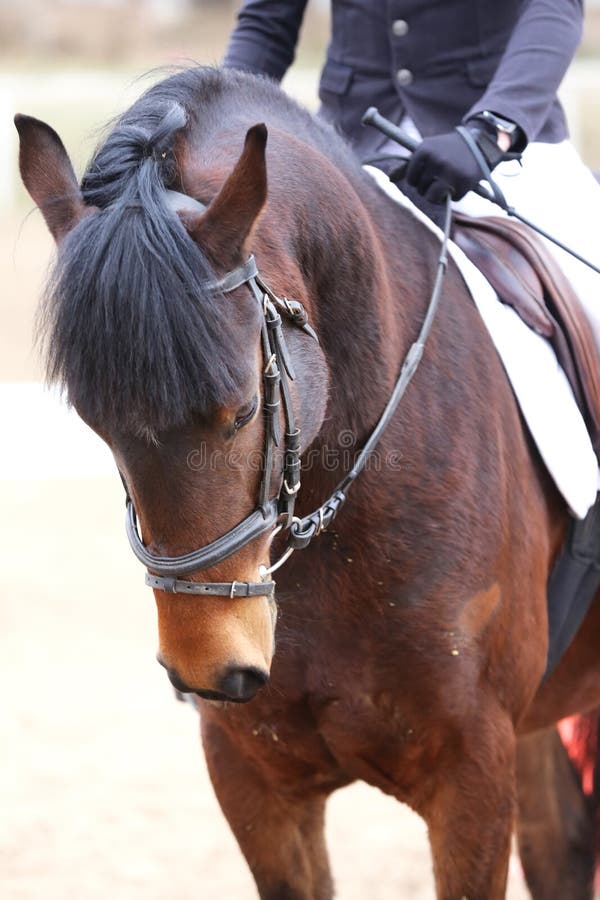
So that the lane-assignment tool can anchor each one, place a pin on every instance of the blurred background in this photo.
(103, 787)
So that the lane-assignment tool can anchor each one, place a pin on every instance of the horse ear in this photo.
(224, 228)
(48, 175)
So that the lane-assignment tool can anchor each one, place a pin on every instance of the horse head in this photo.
(167, 365)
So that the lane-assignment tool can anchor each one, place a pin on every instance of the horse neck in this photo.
(343, 256)
(368, 269)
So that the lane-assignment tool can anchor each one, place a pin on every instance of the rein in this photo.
(277, 514)
(373, 117)
(304, 530)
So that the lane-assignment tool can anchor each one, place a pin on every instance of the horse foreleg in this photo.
(470, 813)
(555, 829)
(280, 830)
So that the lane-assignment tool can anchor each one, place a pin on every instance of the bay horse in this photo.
(412, 632)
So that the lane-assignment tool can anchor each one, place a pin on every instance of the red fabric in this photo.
(579, 734)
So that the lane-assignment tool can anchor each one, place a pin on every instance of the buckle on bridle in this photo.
(264, 571)
(272, 363)
(321, 525)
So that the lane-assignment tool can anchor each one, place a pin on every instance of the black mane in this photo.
(130, 330)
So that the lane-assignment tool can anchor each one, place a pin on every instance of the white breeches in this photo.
(554, 189)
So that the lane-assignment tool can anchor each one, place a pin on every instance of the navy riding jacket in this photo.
(439, 61)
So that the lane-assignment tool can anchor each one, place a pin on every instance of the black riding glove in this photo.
(444, 164)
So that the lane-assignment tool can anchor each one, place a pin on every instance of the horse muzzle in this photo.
(235, 685)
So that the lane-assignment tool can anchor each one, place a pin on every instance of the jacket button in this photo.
(404, 77)
(399, 28)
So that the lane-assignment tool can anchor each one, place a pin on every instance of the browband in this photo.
(177, 203)
(237, 278)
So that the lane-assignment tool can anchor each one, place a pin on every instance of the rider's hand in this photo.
(444, 164)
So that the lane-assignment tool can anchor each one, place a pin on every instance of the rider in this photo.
(492, 66)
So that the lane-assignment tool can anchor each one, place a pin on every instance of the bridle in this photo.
(273, 515)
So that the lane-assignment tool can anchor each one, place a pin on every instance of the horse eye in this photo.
(245, 414)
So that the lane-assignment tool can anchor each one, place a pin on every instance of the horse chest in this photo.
(382, 738)
(374, 703)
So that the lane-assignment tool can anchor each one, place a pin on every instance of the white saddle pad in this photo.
(540, 385)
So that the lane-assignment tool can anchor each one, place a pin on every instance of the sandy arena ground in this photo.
(104, 791)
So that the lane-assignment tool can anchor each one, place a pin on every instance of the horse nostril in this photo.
(177, 683)
(241, 685)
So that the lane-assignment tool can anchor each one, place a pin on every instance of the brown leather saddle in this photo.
(525, 276)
